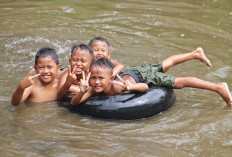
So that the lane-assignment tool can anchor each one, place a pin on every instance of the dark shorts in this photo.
(130, 73)
(152, 74)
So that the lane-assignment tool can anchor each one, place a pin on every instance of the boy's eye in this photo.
(101, 78)
(41, 67)
(74, 59)
(92, 78)
(50, 67)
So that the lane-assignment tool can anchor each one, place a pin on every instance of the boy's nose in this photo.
(78, 63)
(99, 52)
(97, 81)
(46, 70)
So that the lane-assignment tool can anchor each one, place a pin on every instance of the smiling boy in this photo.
(100, 80)
(42, 86)
(79, 61)
(100, 47)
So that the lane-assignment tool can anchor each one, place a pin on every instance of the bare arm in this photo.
(24, 89)
(139, 87)
(20, 95)
(128, 86)
(118, 67)
(80, 97)
(85, 91)
(65, 83)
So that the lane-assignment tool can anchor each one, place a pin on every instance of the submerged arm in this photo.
(19, 96)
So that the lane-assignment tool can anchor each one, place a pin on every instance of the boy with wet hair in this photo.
(100, 80)
(79, 62)
(154, 74)
(42, 86)
(100, 47)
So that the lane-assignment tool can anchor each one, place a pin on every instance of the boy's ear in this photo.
(35, 68)
(59, 66)
(109, 55)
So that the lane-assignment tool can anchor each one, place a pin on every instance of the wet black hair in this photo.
(99, 39)
(47, 52)
(103, 63)
(82, 47)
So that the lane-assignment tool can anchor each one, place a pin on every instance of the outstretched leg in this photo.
(177, 59)
(220, 88)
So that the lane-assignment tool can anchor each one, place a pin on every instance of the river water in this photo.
(139, 32)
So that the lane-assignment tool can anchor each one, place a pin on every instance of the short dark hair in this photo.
(99, 39)
(103, 63)
(82, 47)
(47, 52)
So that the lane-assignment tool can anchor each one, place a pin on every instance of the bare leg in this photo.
(180, 58)
(220, 88)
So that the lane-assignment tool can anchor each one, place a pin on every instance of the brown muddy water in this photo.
(148, 31)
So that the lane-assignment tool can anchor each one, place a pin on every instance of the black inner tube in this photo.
(131, 106)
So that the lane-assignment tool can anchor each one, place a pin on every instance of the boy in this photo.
(80, 60)
(42, 86)
(101, 81)
(100, 47)
(154, 74)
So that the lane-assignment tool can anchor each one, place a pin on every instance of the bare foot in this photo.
(201, 56)
(225, 93)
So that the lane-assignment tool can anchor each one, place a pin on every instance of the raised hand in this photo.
(125, 84)
(84, 83)
(28, 80)
(71, 75)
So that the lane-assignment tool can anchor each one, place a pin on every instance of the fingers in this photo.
(83, 75)
(119, 83)
(128, 83)
(69, 70)
(120, 78)
(30, 73)
(74, 69)
(88, 77)
(35, 76)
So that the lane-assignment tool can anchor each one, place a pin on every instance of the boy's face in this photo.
(81, 59)
(100, 79)
(100, 50)
(47, 68)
